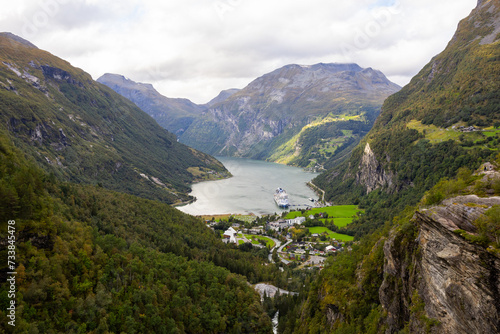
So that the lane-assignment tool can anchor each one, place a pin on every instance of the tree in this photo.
(489, 225)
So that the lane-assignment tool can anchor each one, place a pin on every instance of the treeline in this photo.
(92, 260)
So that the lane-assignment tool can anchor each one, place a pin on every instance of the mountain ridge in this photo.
(83, 131)
(174, 114)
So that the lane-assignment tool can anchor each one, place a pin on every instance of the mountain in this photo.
(82, 131)
(427, 256)
(288, 115)
(223, 96)
(434, 269)
(175, 115)
(447, 117)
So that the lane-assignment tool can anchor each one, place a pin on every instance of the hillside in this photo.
(434, 269)
(296, 114)
(175, 115)
(89, 259)
(447, 117)
(82, 131)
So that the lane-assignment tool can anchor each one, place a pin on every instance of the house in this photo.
(299, 220)
(296, 221)
(280, 224)
(255, 230)
(230, 236)
(330, 249)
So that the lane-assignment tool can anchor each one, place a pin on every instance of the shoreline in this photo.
(317, 190)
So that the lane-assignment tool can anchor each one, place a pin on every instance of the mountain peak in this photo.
(121, 80)
(223, 95)
(18, 39)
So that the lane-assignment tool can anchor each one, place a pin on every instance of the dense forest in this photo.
(93, 260)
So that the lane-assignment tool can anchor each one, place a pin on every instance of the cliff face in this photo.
(371, 173)
(435, 280)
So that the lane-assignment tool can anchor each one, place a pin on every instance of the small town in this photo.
(298, 239)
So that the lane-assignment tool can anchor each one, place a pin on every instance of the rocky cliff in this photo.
(371, 173)
(435, 280)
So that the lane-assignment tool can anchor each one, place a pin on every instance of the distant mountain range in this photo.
(301, 115)
(82, 131)
(175, 115)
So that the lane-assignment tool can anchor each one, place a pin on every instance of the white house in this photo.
(230, 236)
(296, 221)
(330, 249)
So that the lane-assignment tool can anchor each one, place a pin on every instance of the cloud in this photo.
(194, 49)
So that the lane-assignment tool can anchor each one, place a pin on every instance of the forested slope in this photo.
(93, 260)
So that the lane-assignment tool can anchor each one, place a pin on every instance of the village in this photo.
(299, 239)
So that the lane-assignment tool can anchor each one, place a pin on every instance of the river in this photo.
(251, 189)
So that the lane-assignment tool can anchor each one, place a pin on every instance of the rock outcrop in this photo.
(370, 173)
(436, 281)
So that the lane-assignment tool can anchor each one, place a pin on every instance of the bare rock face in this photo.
(435, 280)
(371, 174)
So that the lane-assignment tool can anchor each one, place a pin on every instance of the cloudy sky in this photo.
(196, 48)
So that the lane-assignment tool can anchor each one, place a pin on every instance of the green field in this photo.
(340, 222)
(255, 240)
(490, 133)
(333, 235)
(342, 215)
(336, 211)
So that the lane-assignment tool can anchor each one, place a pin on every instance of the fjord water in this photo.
(251, 189)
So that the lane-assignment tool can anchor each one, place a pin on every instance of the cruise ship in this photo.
(281, 198)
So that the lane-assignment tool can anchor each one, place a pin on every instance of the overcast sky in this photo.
(196, 48)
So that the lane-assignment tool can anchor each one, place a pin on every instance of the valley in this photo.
(125, 222)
